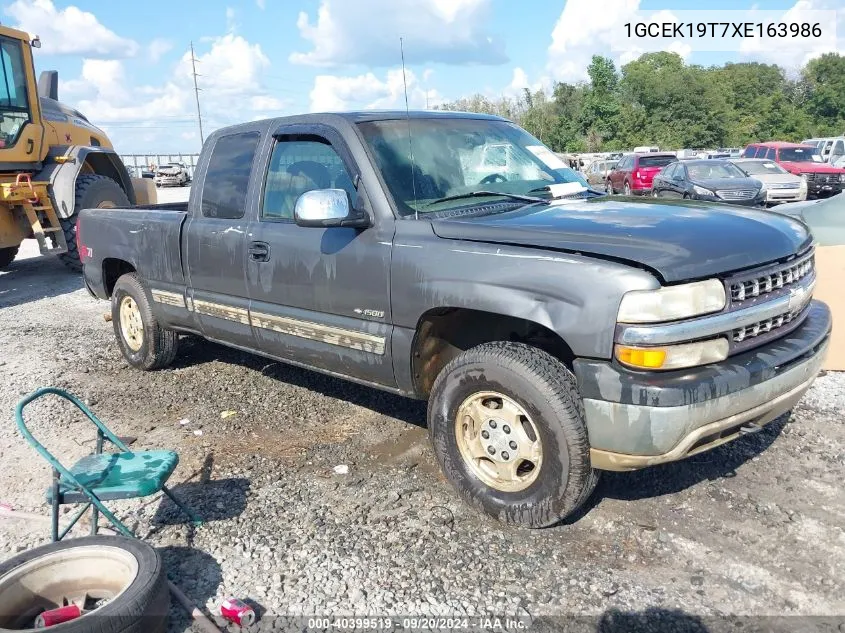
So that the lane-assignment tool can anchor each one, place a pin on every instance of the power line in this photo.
(196, 91)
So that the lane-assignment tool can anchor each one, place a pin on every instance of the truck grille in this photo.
(775, 280)
(737, 194)
(765, 326)
(822, 178)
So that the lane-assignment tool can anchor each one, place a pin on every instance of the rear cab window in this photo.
(656, 161)
(227, 177)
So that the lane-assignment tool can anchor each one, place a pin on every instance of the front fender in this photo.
(577, 296)
(62, 175)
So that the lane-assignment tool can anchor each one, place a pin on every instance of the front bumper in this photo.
(638, 419)
(778, 196)
(816, 189)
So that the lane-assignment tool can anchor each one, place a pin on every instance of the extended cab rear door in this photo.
(216, 239)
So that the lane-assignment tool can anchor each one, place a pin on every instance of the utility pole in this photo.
(196, 91)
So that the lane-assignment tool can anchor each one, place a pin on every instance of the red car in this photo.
(633, 173)
(802, 160)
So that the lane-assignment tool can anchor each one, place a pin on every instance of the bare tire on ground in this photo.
(143, 342)
(7, 255)
(92, 192)
(507, 425)
(122, 581)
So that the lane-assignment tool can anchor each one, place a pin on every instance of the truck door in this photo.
(215, 240)
(21, 131)
(319, 296)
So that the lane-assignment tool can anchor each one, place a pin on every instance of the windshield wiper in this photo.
(483, 194)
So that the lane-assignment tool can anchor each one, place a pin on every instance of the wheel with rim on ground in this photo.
(627, 189)
(507, 424)
(92, 192)
(7, 255)
(143, 342)
(608, 187)
(121, 581)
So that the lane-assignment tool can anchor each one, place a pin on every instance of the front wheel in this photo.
(608, 187)
(143, 342)
(7, 255)
(507, 425)
(627, 189)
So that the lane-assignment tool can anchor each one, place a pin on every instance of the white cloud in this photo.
(231, 22)
(162, 117)
(332, 93)
(793, 58)
(368, 32)
(262, 4)
(581, 32)
(157, 48)
(69, 31)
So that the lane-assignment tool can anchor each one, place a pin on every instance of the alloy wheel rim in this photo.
(498, 441)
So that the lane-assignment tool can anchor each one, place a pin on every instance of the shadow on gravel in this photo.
(216, 500)
(36, 278)
(653, 620)
(197, 574)
(195, 351)
(656, 481)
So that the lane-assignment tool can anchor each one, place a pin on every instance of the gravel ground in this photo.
(752, 528)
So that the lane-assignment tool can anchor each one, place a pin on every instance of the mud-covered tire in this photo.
(7, 256)
(92, 191)
(158, 345)
(547, 391)
(142, 607)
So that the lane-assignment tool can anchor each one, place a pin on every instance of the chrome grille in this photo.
(737, 194)
(763, 327)
(764, 284)
(822, 178)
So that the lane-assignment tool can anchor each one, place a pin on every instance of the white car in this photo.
(781, 186)
(171, 175)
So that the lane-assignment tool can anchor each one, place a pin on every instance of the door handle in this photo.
(259, 251)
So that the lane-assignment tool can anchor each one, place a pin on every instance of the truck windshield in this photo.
(441, 158)
(800, 154)
(14, 108)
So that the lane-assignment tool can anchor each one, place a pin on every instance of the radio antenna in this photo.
(410, 142)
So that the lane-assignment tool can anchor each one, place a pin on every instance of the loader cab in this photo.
(21, 128)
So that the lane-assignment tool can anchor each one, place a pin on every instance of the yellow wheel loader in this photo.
(53, 161)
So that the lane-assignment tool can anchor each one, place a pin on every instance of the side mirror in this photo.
(326, 208)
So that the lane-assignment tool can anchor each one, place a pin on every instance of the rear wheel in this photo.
(143, 342)
(7, 255)
(507, 425)
(627, 189)
(92, 192)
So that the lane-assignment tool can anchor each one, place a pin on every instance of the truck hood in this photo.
(678, 241)
(810, 167)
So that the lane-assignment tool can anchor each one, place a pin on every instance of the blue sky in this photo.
(126, 65)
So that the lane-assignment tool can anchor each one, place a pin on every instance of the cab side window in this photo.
(297, 165)
(749, 152)
(227, 177)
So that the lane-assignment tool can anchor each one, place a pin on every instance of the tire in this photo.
(92, 191)
(143, 605)
(608, 187)
(546, 390)
(7, 255)
(686, 196)
(156, 346)
(627, 189)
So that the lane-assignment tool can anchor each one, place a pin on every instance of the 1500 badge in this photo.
(376, 314)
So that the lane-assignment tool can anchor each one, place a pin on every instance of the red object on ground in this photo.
(237, 611)
(57, 616)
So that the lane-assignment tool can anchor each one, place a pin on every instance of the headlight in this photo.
(673, 356)
(701, 191)
(672, 302)
(841, 177)
(802, 184)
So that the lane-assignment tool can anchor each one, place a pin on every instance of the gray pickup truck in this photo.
(554, 332)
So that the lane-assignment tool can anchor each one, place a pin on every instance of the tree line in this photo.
(657, 99)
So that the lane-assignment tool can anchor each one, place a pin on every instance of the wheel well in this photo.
(443, 333)
(113, 269)
(103, 164)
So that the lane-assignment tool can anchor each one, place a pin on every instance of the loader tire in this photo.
(92, 192)
(7, 256)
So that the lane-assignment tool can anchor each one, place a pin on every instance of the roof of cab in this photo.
(780, 144)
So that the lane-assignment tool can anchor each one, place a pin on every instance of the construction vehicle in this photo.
(53, 161)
